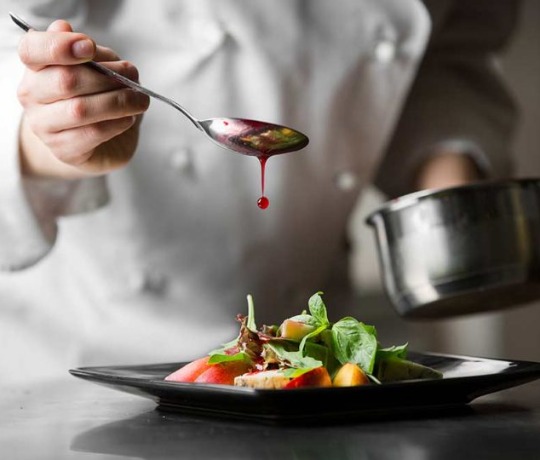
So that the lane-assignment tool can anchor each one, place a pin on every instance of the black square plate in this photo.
(465, 378)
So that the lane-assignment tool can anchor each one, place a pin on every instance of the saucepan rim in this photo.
(414, 198)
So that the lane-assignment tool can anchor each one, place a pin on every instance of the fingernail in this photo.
(83, 49)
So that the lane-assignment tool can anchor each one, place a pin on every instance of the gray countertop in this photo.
(70, 418)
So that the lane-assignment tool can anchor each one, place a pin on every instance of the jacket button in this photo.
(346, 180)
(385, 45)
(385, 51)
(180, 160)
(149, 282)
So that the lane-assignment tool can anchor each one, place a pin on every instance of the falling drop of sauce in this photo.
(263, 202)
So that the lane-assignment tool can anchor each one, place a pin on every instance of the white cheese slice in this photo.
(272, 379)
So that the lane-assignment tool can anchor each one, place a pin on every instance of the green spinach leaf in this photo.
(291, 357)
(216, 358)
(395, 351)
(318, 309)
(355, 342)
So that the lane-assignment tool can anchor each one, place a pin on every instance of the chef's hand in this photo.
(447, 169)
(77, 123)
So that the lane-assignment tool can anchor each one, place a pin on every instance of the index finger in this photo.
(41, 49)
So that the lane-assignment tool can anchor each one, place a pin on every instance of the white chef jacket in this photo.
(153, 262)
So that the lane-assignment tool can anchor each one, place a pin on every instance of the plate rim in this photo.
(526, 368)
(334, 404)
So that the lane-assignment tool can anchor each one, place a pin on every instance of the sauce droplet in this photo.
(263, 202)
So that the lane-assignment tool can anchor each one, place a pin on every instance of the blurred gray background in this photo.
(514, 333)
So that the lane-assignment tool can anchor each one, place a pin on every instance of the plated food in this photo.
(305, 350)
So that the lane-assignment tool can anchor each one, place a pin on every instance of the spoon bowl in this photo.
(253, 138)
(248, 137)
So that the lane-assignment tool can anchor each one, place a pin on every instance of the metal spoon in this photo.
(249, 137)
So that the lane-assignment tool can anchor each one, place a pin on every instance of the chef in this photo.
(128, 238)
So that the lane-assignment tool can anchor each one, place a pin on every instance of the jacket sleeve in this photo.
(458, 99)
(29, 209)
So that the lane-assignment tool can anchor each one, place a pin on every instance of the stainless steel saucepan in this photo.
(461, 250)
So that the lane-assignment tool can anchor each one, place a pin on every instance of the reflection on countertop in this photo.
(71, 419)
(449, 435)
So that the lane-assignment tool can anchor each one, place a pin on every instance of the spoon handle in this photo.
(120, 78)
(137, 87)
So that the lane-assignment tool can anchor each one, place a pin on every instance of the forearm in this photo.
(31, 199)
